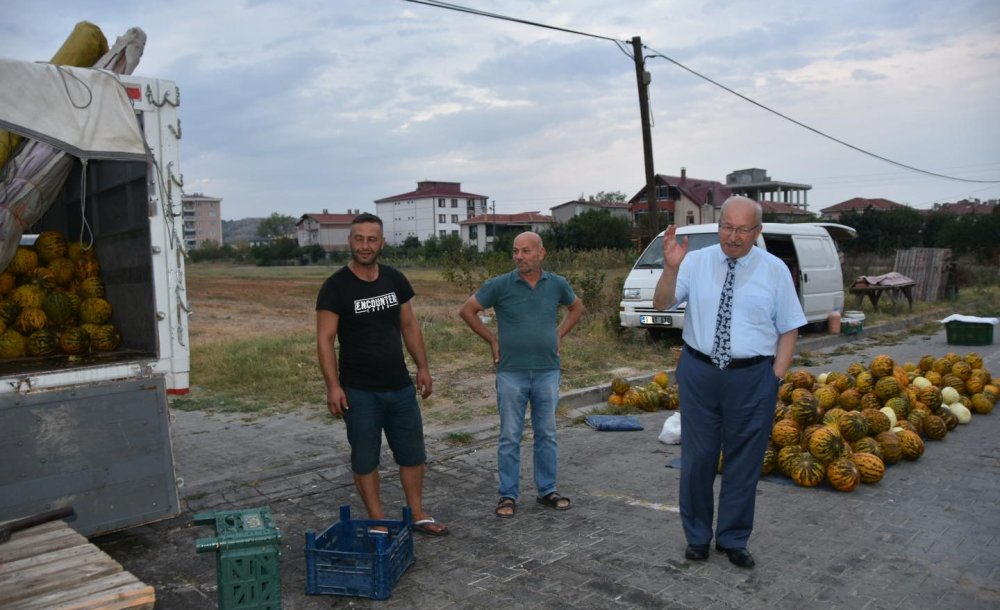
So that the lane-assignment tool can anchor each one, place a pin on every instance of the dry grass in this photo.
(253, 343)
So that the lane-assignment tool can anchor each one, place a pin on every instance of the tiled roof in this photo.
(965, 207)
(776, 207)
(603, 205)
(695, 189)
(507, 219)
(860, 204)
(329, 219)
(432, 188)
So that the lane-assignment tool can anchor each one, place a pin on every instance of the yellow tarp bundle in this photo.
(82, 48)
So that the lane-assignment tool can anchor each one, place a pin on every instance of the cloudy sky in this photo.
(294, 106)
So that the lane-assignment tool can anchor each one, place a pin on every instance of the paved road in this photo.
(927, 536)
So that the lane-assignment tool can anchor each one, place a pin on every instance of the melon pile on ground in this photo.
(52, 301)
(846, 427)
(658, 394)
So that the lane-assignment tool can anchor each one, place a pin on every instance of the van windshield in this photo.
(652, 256)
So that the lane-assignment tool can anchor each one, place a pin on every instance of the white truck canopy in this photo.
(81, 111)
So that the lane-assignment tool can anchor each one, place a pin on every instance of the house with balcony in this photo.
(479, 232)
(202, 217)
(434, 209)
(328, 231)
(680, 200)
(755, 184)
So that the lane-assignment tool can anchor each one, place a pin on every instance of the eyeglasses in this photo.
(742, 231)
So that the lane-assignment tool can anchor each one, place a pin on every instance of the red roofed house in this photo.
(685, 201)
(966, 207)
(328, 231)
(859, 205)
(783, 212)
(478, 231)
(434, 209)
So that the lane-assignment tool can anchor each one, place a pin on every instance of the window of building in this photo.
(454, 203)
(442, 217)
(440, 203)
(454, 232)
(690, 218)
(454, 218)
(443, 233)
(473, 232)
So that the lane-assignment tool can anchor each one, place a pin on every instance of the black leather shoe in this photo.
(696, 552)
(738, 557)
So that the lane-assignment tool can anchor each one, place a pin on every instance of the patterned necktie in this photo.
(723, 320)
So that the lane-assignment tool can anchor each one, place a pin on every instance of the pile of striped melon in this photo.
(52, 301)
(658, 394)
(846, 427)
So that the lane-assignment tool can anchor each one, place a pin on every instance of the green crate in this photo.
(968, 333)
(247, 560)
(851, 326)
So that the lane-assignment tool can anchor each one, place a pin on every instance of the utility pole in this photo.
(642, 80)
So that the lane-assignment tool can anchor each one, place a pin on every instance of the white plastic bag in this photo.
(671, 433)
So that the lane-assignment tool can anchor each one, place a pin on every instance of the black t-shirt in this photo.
(371, 346)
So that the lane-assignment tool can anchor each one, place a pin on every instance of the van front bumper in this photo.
(652, 319)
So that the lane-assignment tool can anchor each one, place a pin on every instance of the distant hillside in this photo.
(235, 231)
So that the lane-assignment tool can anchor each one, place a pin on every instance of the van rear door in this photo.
(820, 282)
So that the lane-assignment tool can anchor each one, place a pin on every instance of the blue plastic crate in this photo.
(347, 559)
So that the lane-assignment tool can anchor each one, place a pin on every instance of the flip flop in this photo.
(425, 526)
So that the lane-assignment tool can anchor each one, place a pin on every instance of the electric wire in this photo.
(656, 54)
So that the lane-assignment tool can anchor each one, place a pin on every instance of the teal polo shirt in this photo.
(526, 318)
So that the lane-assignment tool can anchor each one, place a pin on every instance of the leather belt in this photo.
(735, 363)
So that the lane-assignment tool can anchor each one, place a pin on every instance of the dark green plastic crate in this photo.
(969, 333)
(247, 560)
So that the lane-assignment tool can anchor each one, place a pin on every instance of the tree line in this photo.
(879, 232)
(884, 232)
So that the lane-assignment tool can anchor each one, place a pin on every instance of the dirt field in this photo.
(245, 303)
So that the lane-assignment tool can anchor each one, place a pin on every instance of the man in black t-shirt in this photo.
(367, 307)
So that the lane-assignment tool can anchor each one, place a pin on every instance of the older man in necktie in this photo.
(740, 329)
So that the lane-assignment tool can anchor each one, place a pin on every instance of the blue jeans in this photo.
(515, 389)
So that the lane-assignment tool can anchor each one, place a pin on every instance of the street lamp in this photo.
(494, 225)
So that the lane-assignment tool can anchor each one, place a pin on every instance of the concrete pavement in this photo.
(927, 536)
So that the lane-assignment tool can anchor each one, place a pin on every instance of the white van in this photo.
(809, 249)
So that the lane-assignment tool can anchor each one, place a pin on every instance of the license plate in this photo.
(657, 320)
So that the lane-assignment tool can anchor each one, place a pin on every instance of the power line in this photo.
(622, 47)
(813, 129)
(480, 13)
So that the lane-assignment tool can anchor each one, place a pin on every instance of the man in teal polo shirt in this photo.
(526, 355)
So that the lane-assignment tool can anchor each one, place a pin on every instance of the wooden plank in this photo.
(52, 575)
(71, 593)
(122, 590)
(52, 566)
(31, 546)
(79, 553)
(929, 267)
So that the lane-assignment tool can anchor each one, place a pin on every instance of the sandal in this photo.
(430, 527)
(554, 500)
(506, 504)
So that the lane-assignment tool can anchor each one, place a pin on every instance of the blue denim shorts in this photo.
(396, 413)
